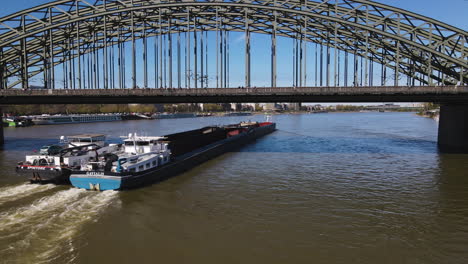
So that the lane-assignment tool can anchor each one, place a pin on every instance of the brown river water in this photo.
(324, 188)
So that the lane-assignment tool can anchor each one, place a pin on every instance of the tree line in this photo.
(54, 109)
(76, 109)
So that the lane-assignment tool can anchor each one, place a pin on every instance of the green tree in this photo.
(258, 108)
(212, 108)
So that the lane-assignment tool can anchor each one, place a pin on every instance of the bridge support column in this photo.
(453, 128)
(247, 52)
(2, 138)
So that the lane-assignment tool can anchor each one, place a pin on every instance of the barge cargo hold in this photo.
(145, 160)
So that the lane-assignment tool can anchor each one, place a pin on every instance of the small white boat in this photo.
(54, 163)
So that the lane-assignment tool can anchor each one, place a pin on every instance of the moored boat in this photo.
(144, 160)
(173, 116)
(72, 119)
(238, 114)
(54, 163)
(16, 122)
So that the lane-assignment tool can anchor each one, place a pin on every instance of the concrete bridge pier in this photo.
(453, 128)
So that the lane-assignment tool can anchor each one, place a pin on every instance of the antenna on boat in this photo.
(134, 142)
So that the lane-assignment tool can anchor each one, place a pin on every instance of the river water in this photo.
(324, 188)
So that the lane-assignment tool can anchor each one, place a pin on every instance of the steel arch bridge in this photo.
(35, 41)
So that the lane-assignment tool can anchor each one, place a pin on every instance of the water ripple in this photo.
(12, 193)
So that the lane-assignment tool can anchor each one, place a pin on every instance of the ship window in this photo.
(132, 170)
(81, 140)
(142, 143)
(154, 163)
(148, 165)
(128, 143)
(141, 167)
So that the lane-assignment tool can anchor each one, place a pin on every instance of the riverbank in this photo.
(27, 120)
(434, 114)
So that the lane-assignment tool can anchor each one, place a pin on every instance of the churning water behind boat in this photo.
(12, 193)
(46, 229)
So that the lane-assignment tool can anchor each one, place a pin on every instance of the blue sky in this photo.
(452, 12)
(449, 11)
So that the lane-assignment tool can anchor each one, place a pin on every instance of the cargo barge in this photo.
(145, 160)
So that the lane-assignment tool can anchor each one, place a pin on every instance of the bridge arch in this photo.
(36, 40)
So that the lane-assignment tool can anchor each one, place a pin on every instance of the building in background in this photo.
(383, 107)
(236, 107)
(269, 107)
(294, 106)
(159, 108)
(36, 87)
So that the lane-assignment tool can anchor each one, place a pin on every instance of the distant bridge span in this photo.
(441, 94)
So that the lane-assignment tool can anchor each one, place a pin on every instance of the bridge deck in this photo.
(437, 94)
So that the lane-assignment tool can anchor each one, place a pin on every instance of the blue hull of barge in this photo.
(101, 181)
(97, 183)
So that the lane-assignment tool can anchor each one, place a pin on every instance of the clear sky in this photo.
(453, 12)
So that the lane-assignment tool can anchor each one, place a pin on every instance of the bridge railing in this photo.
(238, 91)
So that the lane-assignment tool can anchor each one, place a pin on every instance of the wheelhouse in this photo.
(139, 145)
(85, 139)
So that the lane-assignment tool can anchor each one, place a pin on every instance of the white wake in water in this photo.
(69, 223)
(47, 230)
(10, 220)
(12, 193)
